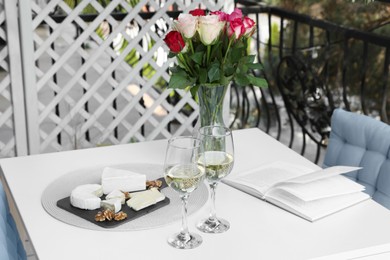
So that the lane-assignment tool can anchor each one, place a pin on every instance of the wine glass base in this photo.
(213, 226)
(182, 241)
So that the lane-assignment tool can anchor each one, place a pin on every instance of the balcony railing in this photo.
(313, 66)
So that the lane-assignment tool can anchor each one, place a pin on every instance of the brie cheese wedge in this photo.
(143, 199)
(118, 179)
(116, 194)
(86, 196)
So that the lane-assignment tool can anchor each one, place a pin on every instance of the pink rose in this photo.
(235, 15)
(249, 26)
(222, 15)
(236, 28)
(186, 24)
(209, 29)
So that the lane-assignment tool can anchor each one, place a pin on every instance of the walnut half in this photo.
(153, 184)
(109, 214)
(99, 217)
(120, 216)
(127, 194)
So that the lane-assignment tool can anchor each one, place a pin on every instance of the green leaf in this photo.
(197, 57)
(255, 66)
(243, 68)
(175, 69)
(194, 91)
(259, 82)
(181, 65)
(214, 72)
(179, 80)
(242, 80)
(236, 54)
(171, 54)
(229, 69)
(248, 59)
(216, 51)
(202, 75)
(240, 44)
(226, 80)
(200, 48)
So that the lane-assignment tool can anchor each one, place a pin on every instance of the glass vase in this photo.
(211, 99)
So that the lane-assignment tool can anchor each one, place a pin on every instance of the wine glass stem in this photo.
(184, 226)
(213, 213)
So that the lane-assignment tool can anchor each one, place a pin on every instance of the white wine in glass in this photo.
(184, 172)
(218, 159)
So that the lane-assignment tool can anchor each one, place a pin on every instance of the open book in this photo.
(310, 195)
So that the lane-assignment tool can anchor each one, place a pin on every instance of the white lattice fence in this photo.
(7, 140)
(99, 72)
(12, 114)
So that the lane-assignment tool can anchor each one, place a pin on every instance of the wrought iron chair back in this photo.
(306, 98)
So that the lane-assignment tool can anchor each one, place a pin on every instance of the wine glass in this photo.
(184, 172)
(218, 147)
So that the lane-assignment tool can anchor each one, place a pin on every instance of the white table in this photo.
(258, 230)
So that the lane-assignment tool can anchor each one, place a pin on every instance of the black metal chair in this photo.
(306, 99)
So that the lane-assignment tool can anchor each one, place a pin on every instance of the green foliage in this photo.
(180, 80)
(132, 57)
(361, 15)
(275, 36)
(366, 15)
(70, 3)
(216, 61)
(215, 65)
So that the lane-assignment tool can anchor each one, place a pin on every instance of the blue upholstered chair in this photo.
(358, 140)
(11, 246)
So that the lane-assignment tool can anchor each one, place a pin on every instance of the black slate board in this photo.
(131, 214)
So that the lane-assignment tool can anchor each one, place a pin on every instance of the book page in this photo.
(321, 188)
(315, 209)
(321, 174)
(266, 176)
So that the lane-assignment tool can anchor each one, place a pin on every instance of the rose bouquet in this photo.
(212, 49)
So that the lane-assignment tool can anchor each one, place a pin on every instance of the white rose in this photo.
(209, 28)
(187, 25)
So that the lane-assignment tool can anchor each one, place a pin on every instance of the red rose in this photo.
(175, 41)
(198, 12)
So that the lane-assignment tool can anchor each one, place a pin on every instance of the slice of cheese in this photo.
(143, 199)
(118, 179)
(116, 194)
(86, 196)
(114, 205)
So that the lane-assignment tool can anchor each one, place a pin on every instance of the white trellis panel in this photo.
(84, 89)
(12, 112)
